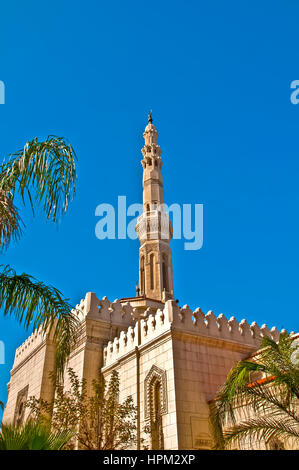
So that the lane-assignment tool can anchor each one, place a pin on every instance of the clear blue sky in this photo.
(217, 76)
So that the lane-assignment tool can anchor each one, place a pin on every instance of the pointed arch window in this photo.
(165, 273)
(156, 416)
(142, 278)
(20, 406)
(155, 404)
(152, 275)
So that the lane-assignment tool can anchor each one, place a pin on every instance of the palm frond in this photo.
(32, 303)
(10, 221)
(276, 358)
(32, 436)
(233, 388)
(262, 428)
(47, 168)
(272, 398)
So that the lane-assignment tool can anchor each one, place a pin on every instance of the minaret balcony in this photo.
(154, 225)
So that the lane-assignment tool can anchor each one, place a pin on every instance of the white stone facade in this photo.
(170, 359)
(188, 353)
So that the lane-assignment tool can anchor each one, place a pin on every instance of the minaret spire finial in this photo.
(154, 227)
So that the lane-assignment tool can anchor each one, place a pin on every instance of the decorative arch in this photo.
(154, 377)
(155, 396)
(20, 406)
(152, 267)
(142, 275)
(165, 284)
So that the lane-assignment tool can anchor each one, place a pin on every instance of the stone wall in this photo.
(196, 352)
(34, 360)
(153, 358)
(100, 321)
(188, 353)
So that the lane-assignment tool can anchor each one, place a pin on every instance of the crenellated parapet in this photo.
(184, 320)
(210, 325)
(155, 324)
(116, 313)
(124, 344)
(34, 341)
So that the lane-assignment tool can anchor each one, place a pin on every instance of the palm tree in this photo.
(32, 436)
(43, 173)
(270, 400)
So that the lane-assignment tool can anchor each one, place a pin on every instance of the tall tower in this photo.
(154, 228)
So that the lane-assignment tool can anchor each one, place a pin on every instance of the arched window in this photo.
(156, 415)
(155, 404)
(20, 406)
(148, 208)
(164, 273)
(142, 275)
(152, 282)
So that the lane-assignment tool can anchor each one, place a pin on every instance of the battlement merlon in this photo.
(197, 322)
(184, 320)
(118, 314)
(122, 315)
(35, 340)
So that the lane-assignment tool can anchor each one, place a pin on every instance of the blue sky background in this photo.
(217, 76)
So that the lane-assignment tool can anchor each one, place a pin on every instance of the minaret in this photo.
(154, 228)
